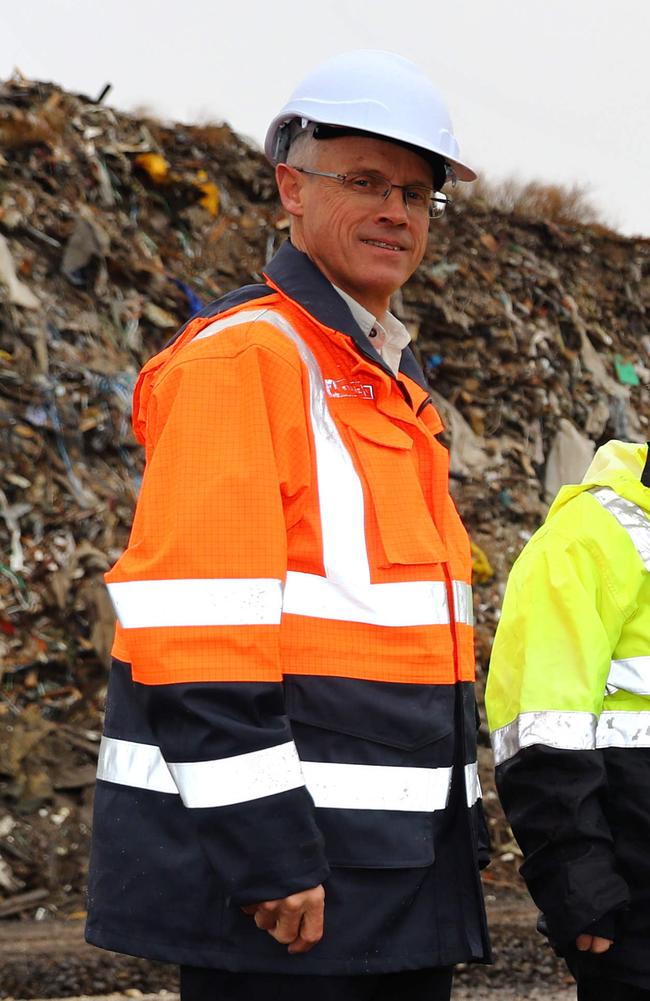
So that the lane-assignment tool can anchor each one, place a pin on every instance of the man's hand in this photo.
(593, 943)
(296, 921)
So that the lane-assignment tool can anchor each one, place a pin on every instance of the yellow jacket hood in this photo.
(619, 465)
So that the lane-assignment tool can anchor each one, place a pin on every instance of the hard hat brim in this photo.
(462, 171)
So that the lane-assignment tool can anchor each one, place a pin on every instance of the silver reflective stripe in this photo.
(632, 674)
(463, 605)
(239, 779)
(185, 602)
(631, 517)
(575, 731)
(139, 765)
(410, 603)
(222, 782)
(235, 320)
(340, 493)
(623, 729)
(246, 777)
(472, 783)
(377, 787)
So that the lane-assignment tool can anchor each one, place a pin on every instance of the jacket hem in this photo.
(244, 962)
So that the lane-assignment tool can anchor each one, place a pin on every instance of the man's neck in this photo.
(377, 305)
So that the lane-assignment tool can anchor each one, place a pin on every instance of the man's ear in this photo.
(289, 184)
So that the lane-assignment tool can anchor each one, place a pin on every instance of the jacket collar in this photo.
(299, 279)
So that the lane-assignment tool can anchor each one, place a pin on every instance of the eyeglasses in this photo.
(418, 197)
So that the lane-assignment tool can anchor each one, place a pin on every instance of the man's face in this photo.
(366, 247)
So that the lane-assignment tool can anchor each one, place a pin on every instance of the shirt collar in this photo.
(395, 332)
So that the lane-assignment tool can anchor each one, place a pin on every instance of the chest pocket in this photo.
(388, 463)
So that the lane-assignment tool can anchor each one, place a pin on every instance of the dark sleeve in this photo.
(254, 821)
(553, 801)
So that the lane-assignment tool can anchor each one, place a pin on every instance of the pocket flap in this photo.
(384, 433)
(401, 716)
(370, 424)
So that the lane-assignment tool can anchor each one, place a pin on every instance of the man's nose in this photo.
(394, 207)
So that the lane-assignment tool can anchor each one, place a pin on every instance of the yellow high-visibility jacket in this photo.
(568, 704)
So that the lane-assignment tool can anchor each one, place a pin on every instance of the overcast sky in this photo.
(554, 90)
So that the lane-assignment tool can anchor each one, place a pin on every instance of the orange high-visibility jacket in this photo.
(291, 698)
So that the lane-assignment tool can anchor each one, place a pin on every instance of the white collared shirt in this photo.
(388, 338)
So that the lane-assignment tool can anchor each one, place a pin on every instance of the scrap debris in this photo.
(114, 230)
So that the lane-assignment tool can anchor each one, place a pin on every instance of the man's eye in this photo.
(417, 196)
(368, 184)
(361, 182)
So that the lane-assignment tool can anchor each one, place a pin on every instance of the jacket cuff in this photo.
(281, 874)
(604, 927)
(585, 890)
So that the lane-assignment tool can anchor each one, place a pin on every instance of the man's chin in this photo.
(386, 285)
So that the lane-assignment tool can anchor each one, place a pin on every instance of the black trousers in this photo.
(602, 989)
(199, 984)
(598, 982)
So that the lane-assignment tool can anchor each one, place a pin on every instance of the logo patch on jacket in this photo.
(343, 387)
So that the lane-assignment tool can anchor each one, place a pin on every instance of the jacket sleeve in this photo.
(199, 596)
(546, 684)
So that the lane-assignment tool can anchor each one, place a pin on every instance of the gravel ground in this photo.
(516, 994)
(129, 996)
(459, 994)
(49, 960)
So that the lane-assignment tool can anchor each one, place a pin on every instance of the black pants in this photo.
(610, 990)
(198, 984)
(598, 982)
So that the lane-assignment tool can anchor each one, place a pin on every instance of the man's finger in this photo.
(593, 943)
(266, 918)
(310, 932)
(600, 945)
(288, 918)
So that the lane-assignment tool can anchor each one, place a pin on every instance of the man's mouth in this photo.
(384, 245)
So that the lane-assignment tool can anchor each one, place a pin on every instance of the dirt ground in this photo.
(459, 994)
(49, 959)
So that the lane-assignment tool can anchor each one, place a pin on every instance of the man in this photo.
(287, 798)
(568, 701)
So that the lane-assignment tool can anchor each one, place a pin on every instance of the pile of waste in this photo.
(115, 230)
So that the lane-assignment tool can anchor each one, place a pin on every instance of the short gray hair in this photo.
(303, 151)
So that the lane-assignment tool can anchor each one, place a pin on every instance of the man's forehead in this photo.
(347, 153)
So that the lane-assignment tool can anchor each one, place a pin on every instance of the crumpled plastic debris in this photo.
(568, 460)
(482, 570)
(155, 165)
(19, 293)
(625, 371)
(210, 199)
(468, 454)
(88, 241)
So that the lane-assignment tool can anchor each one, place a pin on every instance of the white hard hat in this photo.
(376, 92)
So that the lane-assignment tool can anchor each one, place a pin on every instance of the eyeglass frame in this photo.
(443, 198)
